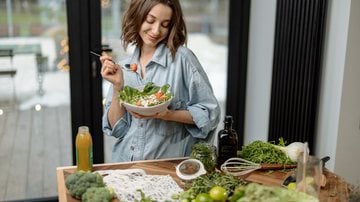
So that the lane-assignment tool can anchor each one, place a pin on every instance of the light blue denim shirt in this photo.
(141, 139)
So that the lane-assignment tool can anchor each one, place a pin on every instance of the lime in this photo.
(291, 186)
(203, 197)
(219, 194)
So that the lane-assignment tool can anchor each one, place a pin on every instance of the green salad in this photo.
(150, 95)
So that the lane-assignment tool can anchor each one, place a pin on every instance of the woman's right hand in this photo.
(111, 72)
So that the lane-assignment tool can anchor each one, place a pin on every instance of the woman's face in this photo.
(156, 25)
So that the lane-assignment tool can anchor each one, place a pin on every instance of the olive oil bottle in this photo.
(227, 142)
(84, 152)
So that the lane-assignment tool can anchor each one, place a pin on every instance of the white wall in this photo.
(347, 159)
(339, 117)
(338, 127)
(332, 79)
(260, 59)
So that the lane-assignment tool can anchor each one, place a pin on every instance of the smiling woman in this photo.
(213, 58)
(157, 30)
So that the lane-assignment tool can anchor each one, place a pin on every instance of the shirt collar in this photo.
(162, 55)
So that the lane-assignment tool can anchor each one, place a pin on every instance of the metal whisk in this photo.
(239, 166)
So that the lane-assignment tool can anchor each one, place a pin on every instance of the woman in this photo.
(157, 29)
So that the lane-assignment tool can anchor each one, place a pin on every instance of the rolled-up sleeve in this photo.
(203, 105)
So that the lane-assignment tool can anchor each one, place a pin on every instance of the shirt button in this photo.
(141, 125)
(132, 147)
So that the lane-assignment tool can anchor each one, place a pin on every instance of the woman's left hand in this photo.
(162, 115)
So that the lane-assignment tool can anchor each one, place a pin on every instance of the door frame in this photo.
(239, 20)
(84, 31)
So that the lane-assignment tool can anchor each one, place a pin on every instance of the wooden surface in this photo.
(33, 144)
(152, 167)
(336, 189)
(41, 138)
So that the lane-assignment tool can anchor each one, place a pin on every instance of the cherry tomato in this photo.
(162, 98)
(158, 95)
(219, 194)
(133, 67)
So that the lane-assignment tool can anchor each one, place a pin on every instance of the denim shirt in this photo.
(142, 139)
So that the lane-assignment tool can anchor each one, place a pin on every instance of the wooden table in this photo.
(335, 190)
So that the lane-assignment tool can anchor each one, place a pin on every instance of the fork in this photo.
(126, 65)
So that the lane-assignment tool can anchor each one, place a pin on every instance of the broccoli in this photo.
(98, 194)
(78, 182)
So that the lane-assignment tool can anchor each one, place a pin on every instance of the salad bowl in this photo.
(146, 100)
(147, 111)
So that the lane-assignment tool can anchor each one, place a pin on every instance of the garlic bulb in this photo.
(293, 150)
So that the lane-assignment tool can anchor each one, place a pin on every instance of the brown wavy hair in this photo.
(136, 14)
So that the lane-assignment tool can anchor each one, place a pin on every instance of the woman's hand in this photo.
(161, 115)
(181, 116)
(111, 72)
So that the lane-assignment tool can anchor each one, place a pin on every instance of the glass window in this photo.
(35, 124)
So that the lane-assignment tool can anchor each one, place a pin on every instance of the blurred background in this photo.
(35, 108)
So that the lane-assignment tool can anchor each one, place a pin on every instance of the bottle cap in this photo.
(83, 129)
(228, 119)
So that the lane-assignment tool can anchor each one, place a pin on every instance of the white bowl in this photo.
(190, 169)
(147, 111)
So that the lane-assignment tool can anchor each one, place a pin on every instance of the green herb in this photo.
(264, 152)
(281, 142)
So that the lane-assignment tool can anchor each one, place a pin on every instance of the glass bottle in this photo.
(84, 153)
(227, 142)
(206, 153)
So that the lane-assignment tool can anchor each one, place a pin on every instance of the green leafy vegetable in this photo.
(150, 95)
(261, 193)
(165, 88)
(264, 152)
(150, 88)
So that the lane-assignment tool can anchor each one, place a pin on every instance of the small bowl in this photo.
(147, 111)
(190, 169)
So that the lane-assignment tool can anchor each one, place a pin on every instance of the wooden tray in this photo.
(152, 167)
(335, 190)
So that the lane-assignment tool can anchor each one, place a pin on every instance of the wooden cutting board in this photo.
(266, 166)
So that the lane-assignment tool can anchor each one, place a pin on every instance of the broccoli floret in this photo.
(78, 182)
(98, 194)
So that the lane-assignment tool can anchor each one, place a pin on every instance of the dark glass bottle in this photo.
(227, 142)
